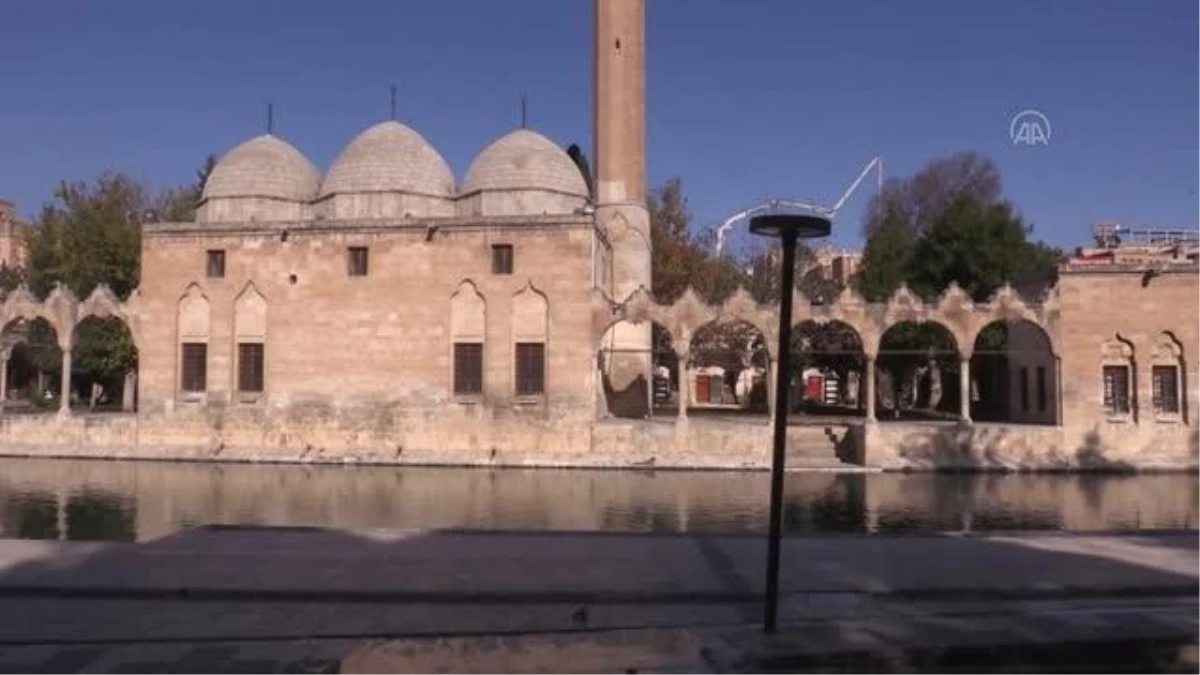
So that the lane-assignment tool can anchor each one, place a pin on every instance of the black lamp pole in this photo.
(779, 449)
(789, 228)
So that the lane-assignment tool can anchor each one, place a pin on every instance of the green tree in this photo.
(10, 278)
(673, 257)
(920, 199)
(978, 246)
(680, 258)
(89, 235)
(886, 258)
(177, 205)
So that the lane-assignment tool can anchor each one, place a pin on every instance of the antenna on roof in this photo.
(270, 118)
(393, 101)
(524, 110)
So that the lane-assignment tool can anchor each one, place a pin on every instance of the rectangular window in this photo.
(193, 367)
(250, 366)
(1024, 390)
(216, 264)
(502, 259)
(531, 368)
(357, 261)
(1041, 388)
(1116, 390)
(1166, 389)
(468, 368)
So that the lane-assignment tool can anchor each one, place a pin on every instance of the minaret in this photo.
(620, 152)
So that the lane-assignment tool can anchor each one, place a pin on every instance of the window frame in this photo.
(211, 256)
(1156, 393)
(457, 373)
(503, 259)
(520, 378)
(184, 380)
(240, 370)
(1111, 409)
(355, 255)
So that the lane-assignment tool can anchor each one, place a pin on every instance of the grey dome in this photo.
(390, 157)
(265, 166)
(525, 160)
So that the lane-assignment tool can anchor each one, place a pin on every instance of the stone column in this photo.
(128, 392)
(964, 388)
(650, 386)
(869, 388)
(772, 369)
(3, 380)
(681, 383)
(64, 394)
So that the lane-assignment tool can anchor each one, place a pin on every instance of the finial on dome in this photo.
(270, 118)
(393, 102)
(524, 110)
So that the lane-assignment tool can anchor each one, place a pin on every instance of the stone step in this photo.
(811, 446)
(804, 463)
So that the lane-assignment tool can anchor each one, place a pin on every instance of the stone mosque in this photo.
(385, 311)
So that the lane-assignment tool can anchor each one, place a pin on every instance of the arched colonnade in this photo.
(64, 313)
(967, 324)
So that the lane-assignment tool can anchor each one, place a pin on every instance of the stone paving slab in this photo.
(480, 567)
(950, 639)
(672, 651)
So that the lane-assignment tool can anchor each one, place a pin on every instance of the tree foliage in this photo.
(179, 204)
(680, 258)
(950, 223)
(886, 257)
(90, 234)
(919, 200)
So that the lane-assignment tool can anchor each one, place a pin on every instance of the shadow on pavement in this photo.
(499, 590)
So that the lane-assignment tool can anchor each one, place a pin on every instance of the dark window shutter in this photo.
(531, 368)
(468, 368)
(194, 367)
(250, 367)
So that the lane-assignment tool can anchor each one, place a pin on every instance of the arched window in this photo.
(1166, 373)
(529, 328)
(193, 327)
(468, 323)
(250, 337)
(1117, 368)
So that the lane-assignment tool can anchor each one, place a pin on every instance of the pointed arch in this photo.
(250, 341)
(1118, 380)
(468, 333)
(193, 326)
(1168, 378)
(250, 314)
(530, 314)
(530, 335)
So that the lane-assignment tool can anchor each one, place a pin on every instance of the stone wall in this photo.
(399, 438)
(1147, 313)
(387, 333)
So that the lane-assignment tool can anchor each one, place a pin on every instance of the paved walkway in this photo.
(296, 600)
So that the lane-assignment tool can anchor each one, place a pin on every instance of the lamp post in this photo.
(789, 228)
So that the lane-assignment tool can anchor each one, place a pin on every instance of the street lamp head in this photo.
(800, 226)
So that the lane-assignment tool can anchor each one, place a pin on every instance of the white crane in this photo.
(828, 212)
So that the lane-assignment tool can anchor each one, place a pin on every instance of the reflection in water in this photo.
(49, 499)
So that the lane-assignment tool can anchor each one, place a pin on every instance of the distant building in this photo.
(1119, 245)
(838, 265)
(12, 236)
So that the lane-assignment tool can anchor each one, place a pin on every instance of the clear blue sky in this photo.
(746, 99)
